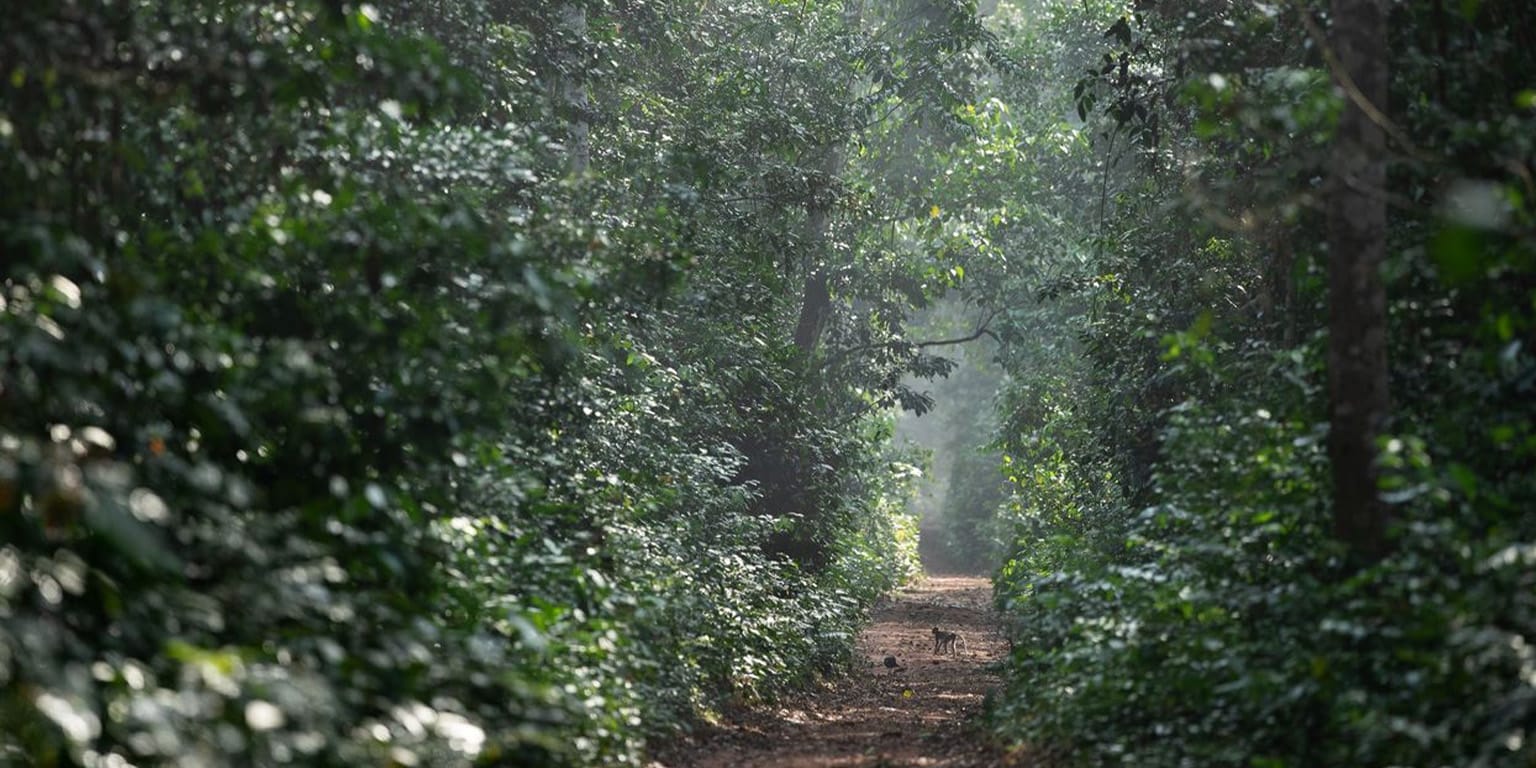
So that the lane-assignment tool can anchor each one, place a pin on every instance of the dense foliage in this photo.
(463, 381)
(1176, 590)
(449, 381)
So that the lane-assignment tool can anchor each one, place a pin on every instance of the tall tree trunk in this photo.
(816, 296)
(573, 91)
(1357, 324)
(1277, 286)
(815, 308)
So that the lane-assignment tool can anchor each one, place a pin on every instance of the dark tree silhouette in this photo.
(1357, 228)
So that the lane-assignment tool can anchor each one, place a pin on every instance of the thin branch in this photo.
(982, 329)
(893, 110)
(750, 198)
(1109, 157)
(858, 413)
(1352, 89)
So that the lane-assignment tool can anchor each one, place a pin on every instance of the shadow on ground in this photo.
(917, 715)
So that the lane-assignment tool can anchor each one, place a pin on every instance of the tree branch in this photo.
(982, 329)
(1346, 82)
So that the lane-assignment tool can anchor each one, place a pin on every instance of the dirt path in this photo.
(915, 716)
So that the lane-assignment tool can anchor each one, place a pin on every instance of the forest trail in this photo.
(869, 719)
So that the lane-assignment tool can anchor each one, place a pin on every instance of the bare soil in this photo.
(917, 715)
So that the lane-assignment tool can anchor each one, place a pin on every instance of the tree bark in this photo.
(573, 92)
(1357, 324)
(815, 308)
(816, 296)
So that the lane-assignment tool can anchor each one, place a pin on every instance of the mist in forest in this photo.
(962, 481)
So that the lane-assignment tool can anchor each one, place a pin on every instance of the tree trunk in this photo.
(1357, 323)
(573, 92)
(816, 297)
(815, 308)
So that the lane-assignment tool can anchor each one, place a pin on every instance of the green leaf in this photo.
(1458, 253)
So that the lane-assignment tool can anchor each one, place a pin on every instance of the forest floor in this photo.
(918, 715)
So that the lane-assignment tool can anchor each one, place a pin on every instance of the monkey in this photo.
(947, 641)
(943, 641)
